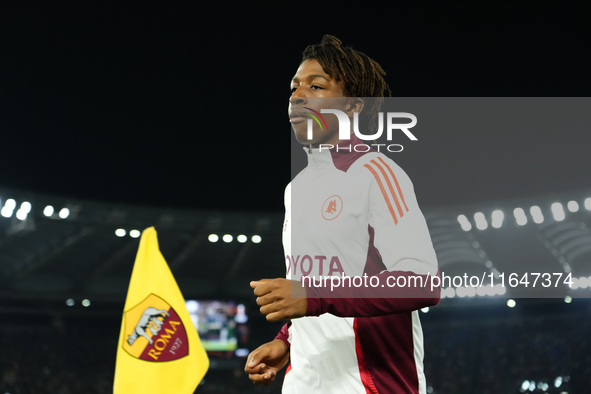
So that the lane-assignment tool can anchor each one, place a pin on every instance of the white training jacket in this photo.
(352, 212)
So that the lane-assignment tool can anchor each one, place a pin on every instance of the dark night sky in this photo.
(186, 106)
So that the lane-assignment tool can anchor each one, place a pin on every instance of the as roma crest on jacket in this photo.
(154, 332)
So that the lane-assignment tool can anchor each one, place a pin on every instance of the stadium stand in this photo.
(64, 280)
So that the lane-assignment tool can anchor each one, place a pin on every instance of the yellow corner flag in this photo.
(159, 350)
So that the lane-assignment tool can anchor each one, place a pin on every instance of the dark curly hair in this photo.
(362, 76)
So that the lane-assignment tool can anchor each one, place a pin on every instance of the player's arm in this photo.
(264, 362)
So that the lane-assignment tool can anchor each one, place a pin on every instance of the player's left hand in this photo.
(280, 299)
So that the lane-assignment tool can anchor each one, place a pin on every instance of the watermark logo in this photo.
(345, 127)
(317, 121)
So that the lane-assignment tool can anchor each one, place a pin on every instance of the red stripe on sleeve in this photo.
(396, 182)
(375, 174)
(389, 187)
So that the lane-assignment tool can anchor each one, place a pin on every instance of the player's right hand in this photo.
(264, 362)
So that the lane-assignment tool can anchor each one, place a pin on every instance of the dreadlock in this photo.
(362, 76)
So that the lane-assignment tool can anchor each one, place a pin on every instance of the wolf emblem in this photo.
(332, 207)
(150, 320)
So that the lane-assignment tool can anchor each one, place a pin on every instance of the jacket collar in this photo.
(336, 155)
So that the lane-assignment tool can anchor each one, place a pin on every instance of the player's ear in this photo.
(355, 104)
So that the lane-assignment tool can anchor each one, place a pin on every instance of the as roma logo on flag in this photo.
(154, 331)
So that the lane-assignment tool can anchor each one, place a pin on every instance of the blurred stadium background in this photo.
(65, 265)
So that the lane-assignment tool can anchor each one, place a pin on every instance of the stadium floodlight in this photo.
(8, 208)
(525, 385)
(256, 239)
(536, 214)
(48, 211)
(491, 290)
(588, 204)
(497, 218)
(573, 206)
(464, 222)
(70, 302)
(470, 291)
(558, 382)
(450, 292)
(568, 299)
(227, 238)
(511, 303)
(64, 213)
(242, 238)
(575, 283)
(213, 238)
(25, 206)
(10, 204)
(583, 283)
(120, 232)
(23, 211)
(425, 309)
(21, 215)
(520, 217)
(6, 212)
(557, 211)
(461, 291)
(192, 306)
(500, 290)
(480, 220)
(135, 233)
(482, 290)
(532, 386)
(86, 302)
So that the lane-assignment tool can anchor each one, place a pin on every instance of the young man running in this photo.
(352, 211)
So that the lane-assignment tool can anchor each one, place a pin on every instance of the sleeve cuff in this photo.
(284, 341)
(283, 334)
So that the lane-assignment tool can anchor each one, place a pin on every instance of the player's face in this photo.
(311, 87)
